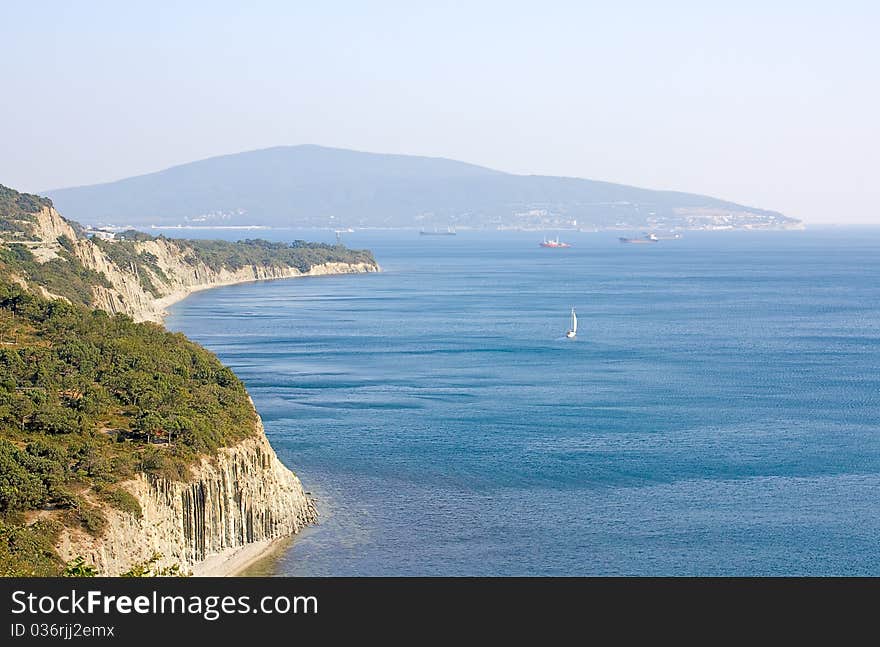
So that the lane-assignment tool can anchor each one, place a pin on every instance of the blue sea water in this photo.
(718, 413)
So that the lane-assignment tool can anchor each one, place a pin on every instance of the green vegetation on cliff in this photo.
(217, 254)
(65, 266)
(88, 400)
(18, 206)
(64, 276)
(125, 254)
(221, 254)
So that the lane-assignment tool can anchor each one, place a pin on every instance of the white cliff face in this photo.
(242, 496)
(183, 274)
(187, 280)
(50, 225)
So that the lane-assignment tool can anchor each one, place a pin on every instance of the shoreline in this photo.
(233, 562)
(160, 305)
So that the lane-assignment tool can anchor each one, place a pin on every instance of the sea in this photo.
(718, 412)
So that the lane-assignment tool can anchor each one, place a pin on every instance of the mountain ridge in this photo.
(314, 186)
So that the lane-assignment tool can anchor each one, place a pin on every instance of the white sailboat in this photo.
(574, 325)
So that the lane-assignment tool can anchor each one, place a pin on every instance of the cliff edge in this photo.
(127, 441)
(240, 497)
(145, 275)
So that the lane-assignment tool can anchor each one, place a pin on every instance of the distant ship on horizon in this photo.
(649, 238)
(554, 244)
(450, 231)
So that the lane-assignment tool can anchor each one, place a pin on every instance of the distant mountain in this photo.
(313, 186)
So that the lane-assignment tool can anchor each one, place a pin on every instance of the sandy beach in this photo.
(233, 562)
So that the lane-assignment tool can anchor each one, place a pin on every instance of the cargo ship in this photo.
(554, 244)
(647, 238)
(449, 232)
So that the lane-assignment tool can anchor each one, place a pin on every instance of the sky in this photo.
(769, 104)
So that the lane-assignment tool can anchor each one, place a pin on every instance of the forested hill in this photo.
(15, 206)
(91, 399)
(86, 401)
(316, 186)
(132, 272)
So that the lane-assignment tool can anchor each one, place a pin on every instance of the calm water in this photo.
(717, 414)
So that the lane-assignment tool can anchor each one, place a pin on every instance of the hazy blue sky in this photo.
(772, 104)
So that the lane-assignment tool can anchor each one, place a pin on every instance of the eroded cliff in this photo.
(242, 496)
(175, 270)
(235, 497)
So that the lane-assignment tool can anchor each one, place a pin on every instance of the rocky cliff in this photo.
(237, 499)
(174, 272)
(243, 496)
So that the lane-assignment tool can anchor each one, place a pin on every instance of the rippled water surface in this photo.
(718, 412)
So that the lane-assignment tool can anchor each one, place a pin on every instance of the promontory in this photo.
(125, 448)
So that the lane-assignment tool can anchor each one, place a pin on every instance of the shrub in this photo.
(21, 485)
(28, 550)
(149, 568)
(77, 567)
(121, 500)
(87, 516)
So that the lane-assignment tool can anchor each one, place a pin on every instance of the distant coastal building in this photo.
(102, 234)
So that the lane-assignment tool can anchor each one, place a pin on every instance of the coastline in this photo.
(160, 305)
(235, 510)
(233, 562)
(232, 507)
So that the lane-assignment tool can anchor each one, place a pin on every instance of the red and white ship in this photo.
(555, 244)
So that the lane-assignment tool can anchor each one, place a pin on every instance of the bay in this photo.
(717, 414)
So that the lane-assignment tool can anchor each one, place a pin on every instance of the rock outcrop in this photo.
(180, 273)
(241, 496)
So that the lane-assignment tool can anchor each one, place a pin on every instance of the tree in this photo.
(150, 424)
(21, 487)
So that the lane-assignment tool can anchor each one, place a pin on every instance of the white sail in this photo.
(574, 326)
